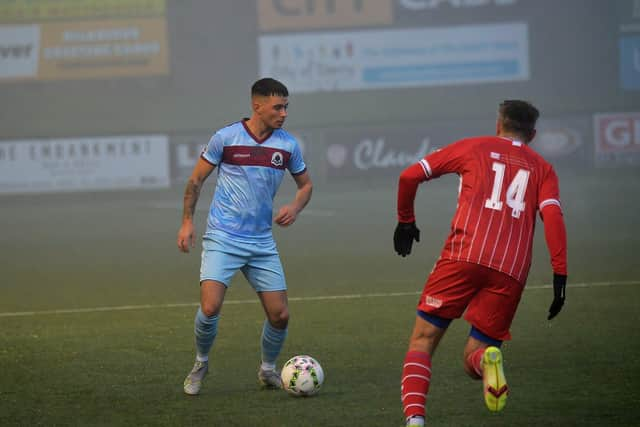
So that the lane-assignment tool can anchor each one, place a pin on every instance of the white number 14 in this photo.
(515, 191)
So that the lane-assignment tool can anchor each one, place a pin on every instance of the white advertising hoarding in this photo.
(371, 59)
(19, 50)
(617, 138)
(81, 164)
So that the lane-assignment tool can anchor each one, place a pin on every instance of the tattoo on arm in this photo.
(191, 195)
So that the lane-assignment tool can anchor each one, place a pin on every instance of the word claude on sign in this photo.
(374, 156)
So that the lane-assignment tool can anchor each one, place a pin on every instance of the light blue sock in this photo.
(206, 329)
(272, 342)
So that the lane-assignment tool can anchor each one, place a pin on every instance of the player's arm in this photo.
(406, 231)
(186, 234)
(556, 237)
(288, 213)
(448, 159)
(555, 234)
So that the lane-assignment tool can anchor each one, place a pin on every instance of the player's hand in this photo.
(186, 237)
(559, 284)
(403, 237)
(286, 216)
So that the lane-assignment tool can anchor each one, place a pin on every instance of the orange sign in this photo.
(19, 11)
(103, 48)
(315, 14)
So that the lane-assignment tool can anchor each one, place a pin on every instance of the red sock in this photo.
(416, 376)
(474, 361)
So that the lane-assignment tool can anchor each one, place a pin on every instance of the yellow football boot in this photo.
(495, 384)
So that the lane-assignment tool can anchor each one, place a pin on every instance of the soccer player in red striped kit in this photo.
(484, 264)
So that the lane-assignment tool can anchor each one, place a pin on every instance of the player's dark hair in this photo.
(268, 87)
(519, 117)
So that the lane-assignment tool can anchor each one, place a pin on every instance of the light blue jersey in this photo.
(250, 171)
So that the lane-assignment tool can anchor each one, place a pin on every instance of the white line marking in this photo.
(301, 299)
(203, 207)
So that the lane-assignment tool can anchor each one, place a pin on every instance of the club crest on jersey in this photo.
(277, 159)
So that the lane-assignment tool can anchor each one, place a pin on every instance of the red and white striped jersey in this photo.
(503, 183)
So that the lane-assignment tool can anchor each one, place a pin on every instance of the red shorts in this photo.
(489, 297)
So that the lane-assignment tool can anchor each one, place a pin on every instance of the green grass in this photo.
(125, 367)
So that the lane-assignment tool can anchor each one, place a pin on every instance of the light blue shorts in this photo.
(259, 262)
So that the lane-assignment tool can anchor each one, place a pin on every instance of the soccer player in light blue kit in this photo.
(251, 156)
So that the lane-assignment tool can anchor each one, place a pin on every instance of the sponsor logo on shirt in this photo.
(256, 156)
(432, 301)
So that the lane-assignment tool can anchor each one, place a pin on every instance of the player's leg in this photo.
(206, 323)
(265, 274)
(274, 333)
(416, 370)
(483, 360)
(205, 329)
(472, 357)
(444, 297)
(490, 313)
(217, 269)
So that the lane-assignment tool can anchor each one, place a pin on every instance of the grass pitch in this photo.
(352, 307)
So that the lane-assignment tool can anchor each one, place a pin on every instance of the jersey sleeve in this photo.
(296, 163)
(549, 190)
(212, 153)
(555, 231)
(408, 183)
(449, 159)
(445, 160)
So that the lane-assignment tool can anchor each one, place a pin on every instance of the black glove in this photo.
(403, 237)
(559, 283)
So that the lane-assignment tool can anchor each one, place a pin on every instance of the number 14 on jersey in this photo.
(515, 192)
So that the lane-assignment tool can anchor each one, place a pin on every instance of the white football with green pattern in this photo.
(302, 376)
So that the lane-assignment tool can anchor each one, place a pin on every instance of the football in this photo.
(302, 376)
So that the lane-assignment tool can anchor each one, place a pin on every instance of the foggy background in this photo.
(106, 104)
(122, 94)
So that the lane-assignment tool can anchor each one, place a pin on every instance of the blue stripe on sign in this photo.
(442, 72)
